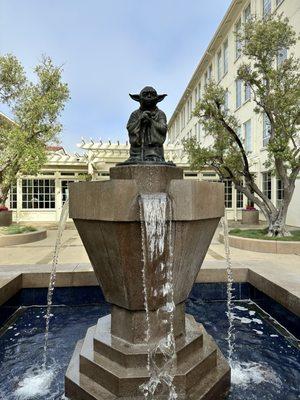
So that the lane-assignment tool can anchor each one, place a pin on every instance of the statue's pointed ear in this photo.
(135, 97)
(160, 97)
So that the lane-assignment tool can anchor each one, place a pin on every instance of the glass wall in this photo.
(38, 193)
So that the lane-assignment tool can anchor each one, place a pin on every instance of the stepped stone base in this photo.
(104, 366)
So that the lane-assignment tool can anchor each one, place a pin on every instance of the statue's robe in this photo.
(147, 140)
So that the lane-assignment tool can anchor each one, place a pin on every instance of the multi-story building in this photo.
(220, 62)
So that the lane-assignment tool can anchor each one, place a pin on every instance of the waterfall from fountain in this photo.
(230, 290)
(155, 214)
(37, 381)
(242, 373)
(61, 228)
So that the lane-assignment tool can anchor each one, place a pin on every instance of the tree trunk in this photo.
(277, 224)
(3, 194)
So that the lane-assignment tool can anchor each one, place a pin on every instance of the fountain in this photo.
(146, 232)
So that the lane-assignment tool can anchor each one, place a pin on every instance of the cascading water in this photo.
(230, 290)
(61, 227)
(37, 381)
(156, 217)
(242, 373)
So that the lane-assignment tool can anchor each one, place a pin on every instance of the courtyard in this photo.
(149, 200)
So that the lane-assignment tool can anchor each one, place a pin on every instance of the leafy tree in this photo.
(275, 87)
(36, 107)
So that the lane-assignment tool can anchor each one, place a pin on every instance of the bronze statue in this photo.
(147, 129)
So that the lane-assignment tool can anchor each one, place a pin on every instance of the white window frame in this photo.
(247, 12)
(279, 191)
(239, 199)
(247, 92)
(225, 57)
(228, 193)
(13, 197)
(219, 65)
(267, 184)
(247, 135)
(238, 43)
(266, 7)
(266, 130)
(238, 93)
(34, 192)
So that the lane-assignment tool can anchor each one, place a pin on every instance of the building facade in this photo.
(40, 198)
(221, 62)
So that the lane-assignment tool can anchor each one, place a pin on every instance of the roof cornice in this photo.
(230, 14)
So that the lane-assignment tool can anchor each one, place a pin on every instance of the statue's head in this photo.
(148, 97)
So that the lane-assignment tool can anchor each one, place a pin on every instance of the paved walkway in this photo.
(29, 265)
(72, 251)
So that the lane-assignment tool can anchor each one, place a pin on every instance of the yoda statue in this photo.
(147, 129)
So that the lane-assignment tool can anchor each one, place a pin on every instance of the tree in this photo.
(275, 87)
(36, 107)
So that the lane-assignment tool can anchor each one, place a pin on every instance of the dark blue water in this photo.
(257, 342)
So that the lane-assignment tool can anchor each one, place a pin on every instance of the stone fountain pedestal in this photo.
(110, 362)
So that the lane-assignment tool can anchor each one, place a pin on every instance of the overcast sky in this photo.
(108, 49)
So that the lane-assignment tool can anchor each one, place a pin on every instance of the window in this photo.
(225, 57)
(199, 91)
(279, 191)
(182, 119)
(210, 72)
(266, 130)
(239, 131)
(177, 127)
(266, 7)
(281, 56)
(198, 131)
(238, 43)
(38, 193)
(278, 2)
(226, 100)
(219, 65)
(247, 130)
(238, 93)
(267, 184)
(228, 193)
(205, 79)
(65, 190)
(247, 91)
(239, 199)
(196, 94)
(247, 13)
(13, 197)
(189, 108)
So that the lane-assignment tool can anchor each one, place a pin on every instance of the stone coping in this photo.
(22, 238)
(262, 246)
(201, 200)
(281, 285)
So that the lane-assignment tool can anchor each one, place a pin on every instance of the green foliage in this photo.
(36, 108)
(85, 177)
(16, 229)
(224, 153)
(275, 86)
(263, 234)
(12, 78)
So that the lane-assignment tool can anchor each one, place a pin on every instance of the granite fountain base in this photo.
(111, 361)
